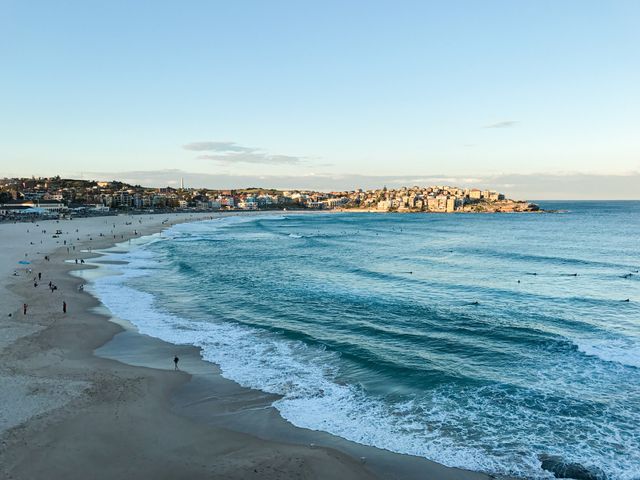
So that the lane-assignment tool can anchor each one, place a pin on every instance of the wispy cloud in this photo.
(502, 124)
(251, 157)
(217, 147)
(231, 153)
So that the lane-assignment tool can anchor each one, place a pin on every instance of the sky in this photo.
(540, 99)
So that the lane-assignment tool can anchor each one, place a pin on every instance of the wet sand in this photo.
(86, 397)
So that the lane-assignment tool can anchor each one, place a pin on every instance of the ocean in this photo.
(480, 341)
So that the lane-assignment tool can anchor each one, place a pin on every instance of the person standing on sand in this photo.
(175, 362)
(24, 311)
(64, 307)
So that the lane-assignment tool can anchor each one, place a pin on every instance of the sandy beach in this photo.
(86, 397)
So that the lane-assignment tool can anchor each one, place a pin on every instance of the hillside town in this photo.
(22, 198)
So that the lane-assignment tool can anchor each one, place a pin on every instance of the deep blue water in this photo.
(478, 341)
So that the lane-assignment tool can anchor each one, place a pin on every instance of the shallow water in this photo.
(478, 341)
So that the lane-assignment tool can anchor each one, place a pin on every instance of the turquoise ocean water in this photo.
(478, 341)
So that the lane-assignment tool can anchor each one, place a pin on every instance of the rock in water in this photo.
(563, 469)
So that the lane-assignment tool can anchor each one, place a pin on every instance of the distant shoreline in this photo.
(137, 213)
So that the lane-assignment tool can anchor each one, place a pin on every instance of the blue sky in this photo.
(296, 90)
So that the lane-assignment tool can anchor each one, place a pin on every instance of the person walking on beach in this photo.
(64, 307)
(175, 362)
(24, 310)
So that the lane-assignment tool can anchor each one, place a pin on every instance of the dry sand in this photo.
(84, 398)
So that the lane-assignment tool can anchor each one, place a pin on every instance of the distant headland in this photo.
(22, 198)
(442, 199)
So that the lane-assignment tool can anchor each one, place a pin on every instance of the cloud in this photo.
(251, 157)
(230, 153)
(503, 124)
(217, 147)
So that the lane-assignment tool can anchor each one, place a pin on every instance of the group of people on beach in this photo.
(37, 279)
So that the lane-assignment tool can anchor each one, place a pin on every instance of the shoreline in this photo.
(90, 380)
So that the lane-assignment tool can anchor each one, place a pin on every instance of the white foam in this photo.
(304, 376)
(623, 351)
